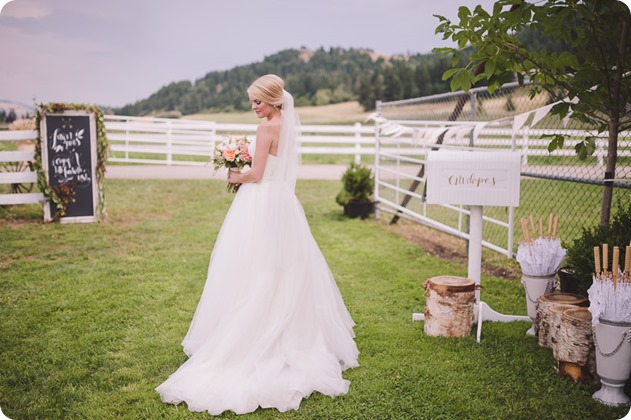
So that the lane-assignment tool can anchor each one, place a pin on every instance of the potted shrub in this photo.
(358, 185)
(580, 254)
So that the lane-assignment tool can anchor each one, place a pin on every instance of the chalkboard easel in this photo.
(69, 157)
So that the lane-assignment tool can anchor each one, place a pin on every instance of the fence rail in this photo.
(16, 169)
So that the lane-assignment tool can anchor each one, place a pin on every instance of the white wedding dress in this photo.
(271, 326)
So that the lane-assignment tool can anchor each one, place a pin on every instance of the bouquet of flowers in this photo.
(230, 154)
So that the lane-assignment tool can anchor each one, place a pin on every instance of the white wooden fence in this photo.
(188, 142)
(18, 159)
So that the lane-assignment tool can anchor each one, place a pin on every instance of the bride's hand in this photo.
(232, 175)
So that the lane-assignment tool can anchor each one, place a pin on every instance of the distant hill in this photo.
(21, 110)
(319, 77)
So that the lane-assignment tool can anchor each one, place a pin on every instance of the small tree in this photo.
(11, 116)
(595, 75)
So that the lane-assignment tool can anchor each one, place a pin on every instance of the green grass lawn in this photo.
(92, 316)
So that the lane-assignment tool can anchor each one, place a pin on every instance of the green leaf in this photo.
(493, 86)
(569, 59)
(561, 109)
(449, 73)
(585, 148)
(556, 142)
(463, 14)
(489, 69)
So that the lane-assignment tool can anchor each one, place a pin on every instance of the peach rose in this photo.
(229, 155)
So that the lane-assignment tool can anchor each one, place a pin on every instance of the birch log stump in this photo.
(574, 350)
(554, 322)
(544, 321)
(449, 306)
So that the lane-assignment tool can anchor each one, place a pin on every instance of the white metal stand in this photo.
(482, 311)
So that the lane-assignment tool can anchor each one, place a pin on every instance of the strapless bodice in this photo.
(270, 166)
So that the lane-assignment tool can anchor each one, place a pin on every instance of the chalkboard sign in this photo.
(69, 157)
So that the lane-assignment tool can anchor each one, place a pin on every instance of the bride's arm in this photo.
(264, 137)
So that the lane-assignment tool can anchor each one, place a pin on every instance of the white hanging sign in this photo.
(473, 178)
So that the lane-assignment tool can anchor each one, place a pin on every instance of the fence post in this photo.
(600, 151)
(358, 137)
(126, 140)
(377, 160)
(526, 138)
(169, 144)
(213, 139)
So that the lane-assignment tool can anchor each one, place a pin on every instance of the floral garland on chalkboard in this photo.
(63, 194)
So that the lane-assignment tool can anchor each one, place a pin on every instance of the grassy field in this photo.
(92, 316)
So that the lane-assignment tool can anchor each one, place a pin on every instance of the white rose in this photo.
(245, 169)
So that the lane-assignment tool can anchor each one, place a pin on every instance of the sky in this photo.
(115, 52)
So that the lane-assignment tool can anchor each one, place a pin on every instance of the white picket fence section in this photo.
(190, 142)
(21, 177)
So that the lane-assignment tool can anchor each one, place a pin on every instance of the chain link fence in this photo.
(551, 182)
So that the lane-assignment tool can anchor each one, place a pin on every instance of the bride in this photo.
(271, 326)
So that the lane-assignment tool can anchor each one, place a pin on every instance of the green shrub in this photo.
(580, 254)
(357, 184)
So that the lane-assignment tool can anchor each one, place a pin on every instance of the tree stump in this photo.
(574, 350)
(449, 306)
(544, 316)
(554, 322)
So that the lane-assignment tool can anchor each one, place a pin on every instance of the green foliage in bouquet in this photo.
(580, 254)
(358, 184)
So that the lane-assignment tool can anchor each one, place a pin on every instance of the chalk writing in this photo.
(67, 162)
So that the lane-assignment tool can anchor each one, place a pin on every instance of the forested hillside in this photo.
(314, 77)
(318, 77)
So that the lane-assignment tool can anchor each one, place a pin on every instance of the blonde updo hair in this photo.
(269, 89)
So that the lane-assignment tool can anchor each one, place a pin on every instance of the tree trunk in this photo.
(610, 171)
(617, 106)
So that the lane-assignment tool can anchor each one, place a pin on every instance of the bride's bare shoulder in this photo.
(268, 127)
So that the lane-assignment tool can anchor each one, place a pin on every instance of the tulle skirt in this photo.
(271, 326)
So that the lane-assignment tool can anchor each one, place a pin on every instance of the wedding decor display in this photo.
(539, 258)
(232, 154)
(63, 194)
(610, 306)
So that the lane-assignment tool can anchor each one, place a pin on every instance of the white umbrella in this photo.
(541, 256)
(610, 292)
